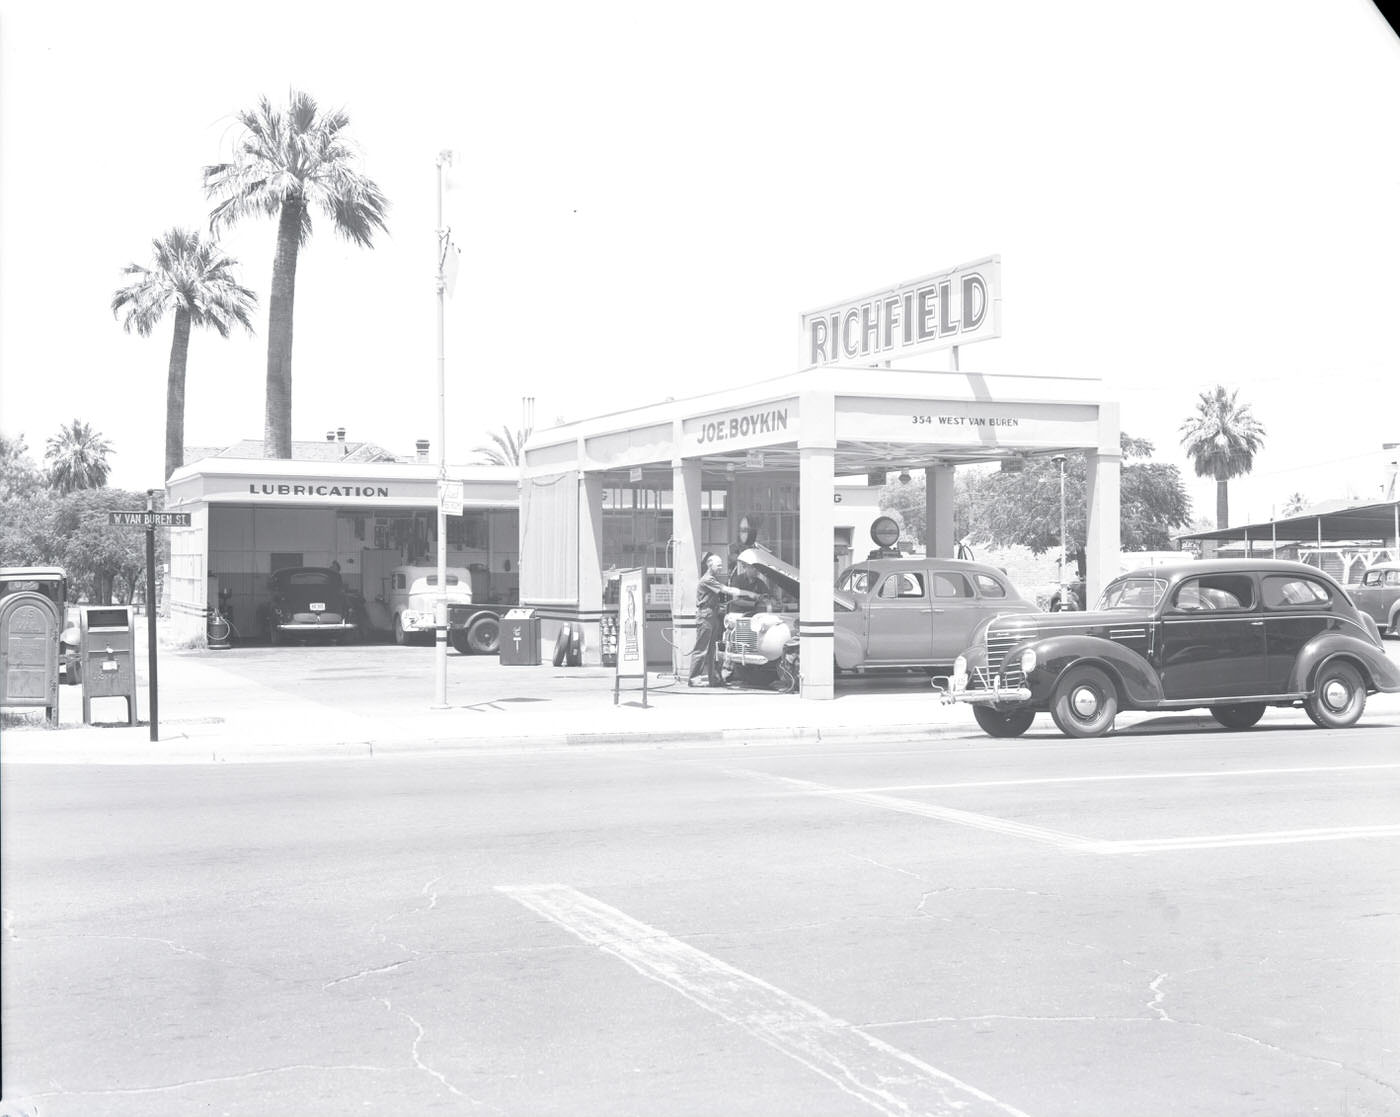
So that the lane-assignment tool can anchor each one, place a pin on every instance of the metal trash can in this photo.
(107, 651)
(520, 638)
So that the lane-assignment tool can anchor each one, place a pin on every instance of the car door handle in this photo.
(1255, 624)
(931, 610)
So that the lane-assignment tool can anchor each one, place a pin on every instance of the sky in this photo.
(649, 196)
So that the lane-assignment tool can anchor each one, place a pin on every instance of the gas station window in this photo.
(469, 531)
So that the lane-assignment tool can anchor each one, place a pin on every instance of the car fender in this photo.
(1381, 671)
(850, 652)
(1136, 679)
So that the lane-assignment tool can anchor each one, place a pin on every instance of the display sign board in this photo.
(453, 495)
(947, 308)
(753, 459)
(142, 518)
(631, 630)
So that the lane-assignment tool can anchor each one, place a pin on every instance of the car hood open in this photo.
(786, 575)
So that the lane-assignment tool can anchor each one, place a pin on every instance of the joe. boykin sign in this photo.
(953, 307)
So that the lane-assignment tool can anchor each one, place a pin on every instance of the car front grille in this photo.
(999, 642)
(742, 637)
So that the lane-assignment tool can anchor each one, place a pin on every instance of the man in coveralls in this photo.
(710, 593)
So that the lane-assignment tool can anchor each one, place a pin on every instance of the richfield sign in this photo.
(953, 307)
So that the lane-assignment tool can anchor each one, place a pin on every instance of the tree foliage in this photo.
(1221, 439)
(20, 478)
(505, 449)
(1023, 508)
(77, 458)
(189, 278)
(287, 163)
(103, 562)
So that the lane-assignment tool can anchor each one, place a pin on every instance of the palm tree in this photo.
(1295, 505)
(506, 451)
(1221, 440)
(77, 458)
(194, 279)
(289, 162)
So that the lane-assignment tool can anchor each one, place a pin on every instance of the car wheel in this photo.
(1003, 723)
(400, 636)
(1338, 698)
(1240, 715)
(1394, 626)
(458, 639)
(1085, 703)
(484, 636)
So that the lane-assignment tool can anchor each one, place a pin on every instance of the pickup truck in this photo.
(473, 626)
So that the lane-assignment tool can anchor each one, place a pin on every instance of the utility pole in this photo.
(1059, 460)
(444, 159)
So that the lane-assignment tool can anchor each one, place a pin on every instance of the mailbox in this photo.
(520, 638)
(107, 651)
(29, 630)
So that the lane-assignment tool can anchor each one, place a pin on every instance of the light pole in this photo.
(444, 159)
(1059, 460)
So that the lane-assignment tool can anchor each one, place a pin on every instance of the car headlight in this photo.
(960, 665)
(1028, 661)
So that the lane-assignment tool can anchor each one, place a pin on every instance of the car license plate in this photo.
(318, 606)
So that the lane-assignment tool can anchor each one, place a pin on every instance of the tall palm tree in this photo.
(77, 457)
(506, 451)
(1221, 439)
(287, 163)
(194, 279)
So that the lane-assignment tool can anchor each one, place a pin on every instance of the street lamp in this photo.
(1059, 460)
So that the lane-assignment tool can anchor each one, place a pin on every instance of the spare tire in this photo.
(561, 645)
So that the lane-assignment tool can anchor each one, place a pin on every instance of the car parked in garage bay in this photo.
(307, 601)
(1378, 594)
(1232, 635)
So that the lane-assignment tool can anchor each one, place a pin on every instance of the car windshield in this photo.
(1139, 592)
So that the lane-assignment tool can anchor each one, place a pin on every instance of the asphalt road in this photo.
(1199, 923)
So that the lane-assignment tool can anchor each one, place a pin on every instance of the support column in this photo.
(816, 451)
(938, 482)
(1102, 543)
(686, 495)
(590, 563)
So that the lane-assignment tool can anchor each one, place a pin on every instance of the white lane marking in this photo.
(1132, 776)
(942, 814)
(884, 1077)
(1077, 842)
(1256, 838)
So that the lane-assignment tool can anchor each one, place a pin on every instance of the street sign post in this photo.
(150, 519)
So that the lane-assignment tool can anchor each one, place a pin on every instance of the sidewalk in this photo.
(210, 713)
(216, 709)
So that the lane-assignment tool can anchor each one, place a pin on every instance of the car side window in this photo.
(855, 581)
(1288, 591)
(1392, 577)
(951, 585)
(987, 586)
(399, 581)
(1214, 592)
(1371, 578)
(903, 585)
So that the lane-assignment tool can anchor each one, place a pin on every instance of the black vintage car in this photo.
(308, 601)
(1232, 635)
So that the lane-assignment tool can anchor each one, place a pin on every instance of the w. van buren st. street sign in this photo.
(142, 518)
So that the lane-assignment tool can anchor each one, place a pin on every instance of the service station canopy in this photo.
(877, 419)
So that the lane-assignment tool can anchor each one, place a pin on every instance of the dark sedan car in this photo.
(1232, 635)
(307, 601)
